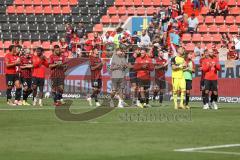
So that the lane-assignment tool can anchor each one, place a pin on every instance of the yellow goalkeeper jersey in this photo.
(179, 61)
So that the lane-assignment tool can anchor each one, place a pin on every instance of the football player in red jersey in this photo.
(57, 67)
(96, 76)
(12, 78)
(161, 66)
(202, 85)
(211, 67)
(26, 74)
(38, 76)
(144, 66)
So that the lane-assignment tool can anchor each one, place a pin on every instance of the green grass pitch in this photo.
(33, 133)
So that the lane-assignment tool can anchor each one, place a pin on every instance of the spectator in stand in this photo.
(145, 39)
(69, 33)
(175, 10)
(174, 40)
(155, 19)
(198, 51)
(96, 42)
(223, 52)
(64, 47)
(236, 41)
(80, 30)
(192, 24)
(182, 25)
(75, 43)
(196, 4)
(151, 31)
(232, 54)
(117, 37)
(223, 8)
(213, 8)
(225, 39)
(135, 38)
(108, 44)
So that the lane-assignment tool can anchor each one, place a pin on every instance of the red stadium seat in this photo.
(112, 10)
(209, 20)
(137, 2)
(73, 2)
(237, 20)
(1, 45)
(197, 38)
(38, 9)
(20, 9)
(204, 10)
(28, 2)
(209, 45)
(46, 45)
(219, 20)
(55, 2)
(223, 29)
(157, 3)
(131, 11)
(66, 10)
(64, 2)
(124, 18)
(207, 38)
(238, 3)
(122, 11)
(46, 2)
(216, 38)
(105, 19)
(229, 20)
(140, 11)
(48, 10)
(235, 11)
(57, 10)
(186, 37)
(128, 3)
(27, 44)
(166, 2)
(190, 47)
(2, 53)
(7, 44)
(11, 10)
(119, 3)
(29, 10)
(151, 10)
(37, 2)
(147, 2)
(90, 36)
(213, 29)
(115, 19)
(203, 28)
(231, 3)
(18, 2)
(98, 28)
(200, 19)
(233, 29)
(36, 44)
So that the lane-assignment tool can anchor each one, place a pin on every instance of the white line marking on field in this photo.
(207, 149)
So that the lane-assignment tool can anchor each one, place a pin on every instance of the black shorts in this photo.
(133, 77)
(38, 81)
(202, 85)
(26, 82)
(211, 85)
(56, 82)
(144, 83)
(97, 83)
(11, 78)
(188, 84)
(161, 83)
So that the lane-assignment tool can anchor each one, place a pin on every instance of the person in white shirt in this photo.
(198, 51)
(236, 40)
(145, 39)
(192, 23)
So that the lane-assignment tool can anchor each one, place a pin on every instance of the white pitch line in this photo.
(207, 147)
(219, 152)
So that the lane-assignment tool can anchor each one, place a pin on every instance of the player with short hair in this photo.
(38, 76)
(57, 68)
(202, 84)
(211, 67)
(12, 78)
(118, 67)
(96, 76)
(178, 80)
(161, 66)
(26, 74)
(143, 66)
(188, 71)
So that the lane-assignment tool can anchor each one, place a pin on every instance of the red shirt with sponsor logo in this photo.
(201, 65)
(211, 67)
(160, 73)
(39, 67)
(95, 73)
(57, 72)
(10, 58)
(143, 73)
(27, 72)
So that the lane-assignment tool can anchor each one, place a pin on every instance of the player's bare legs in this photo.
(18, 93)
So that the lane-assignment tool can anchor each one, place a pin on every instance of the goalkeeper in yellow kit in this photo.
(178, 81)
